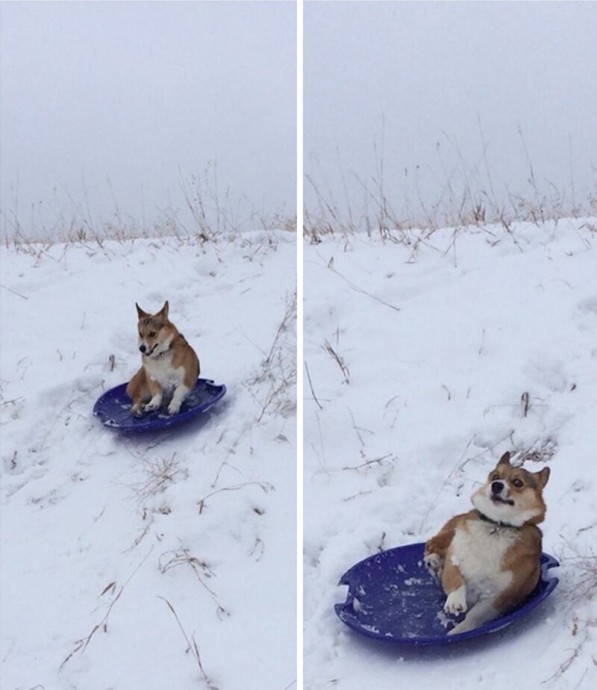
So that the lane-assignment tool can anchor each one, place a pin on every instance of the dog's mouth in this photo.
(498, 500)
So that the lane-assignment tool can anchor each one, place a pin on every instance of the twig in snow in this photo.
(278, 369)
(542, 451)
(258, 549)
(159, 474)
(191, 647)
(356, 288)
(526, 403)
(339, 360)
(311, 387)
(264, 486)
(447, 479)
(368, 463)
(482, 346)
(574, 654)
(201, 570)
(82, 644)
(14, 292)
(356, 428)
(452, 245)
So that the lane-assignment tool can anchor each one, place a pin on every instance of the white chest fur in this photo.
(478, 551)
(160, 369)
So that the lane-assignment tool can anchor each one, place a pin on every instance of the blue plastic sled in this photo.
(114, 408)
(393, 597)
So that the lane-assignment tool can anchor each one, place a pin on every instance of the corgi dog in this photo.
(488, 560)
(169, 364)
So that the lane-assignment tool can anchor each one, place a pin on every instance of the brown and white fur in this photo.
(169, 364)
(488, 560)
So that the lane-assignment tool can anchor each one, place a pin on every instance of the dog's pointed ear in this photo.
(543, 476)
(141, 314)
(164, 310)
(505, 459)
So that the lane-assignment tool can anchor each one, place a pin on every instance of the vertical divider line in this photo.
(299, 339)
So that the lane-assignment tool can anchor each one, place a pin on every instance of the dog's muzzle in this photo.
(499, 493)
(147, 351)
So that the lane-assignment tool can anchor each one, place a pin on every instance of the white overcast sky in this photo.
(432, 85)
(114, 103)
(106, 104)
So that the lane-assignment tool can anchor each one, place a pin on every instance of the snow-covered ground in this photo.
(425, 360)
(169, 560)
(162, 561)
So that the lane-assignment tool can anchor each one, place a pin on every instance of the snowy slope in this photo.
(152, 561)
(420, 355)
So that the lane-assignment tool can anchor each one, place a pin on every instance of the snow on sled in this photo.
(114, 408)
(393, 597)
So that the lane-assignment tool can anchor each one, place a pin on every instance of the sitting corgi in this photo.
(488, 560)
(169, 364)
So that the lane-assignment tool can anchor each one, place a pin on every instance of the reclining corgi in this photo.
(488, 560)
(169, 364)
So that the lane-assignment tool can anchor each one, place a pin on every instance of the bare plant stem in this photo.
(192, 647)
(311, 387)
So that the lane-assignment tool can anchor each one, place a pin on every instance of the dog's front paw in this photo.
(137, 409)
(173, 407)
(434, 565)
(456, 601)
(153, 405)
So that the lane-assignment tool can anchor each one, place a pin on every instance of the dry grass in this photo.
(192, 648)
(274, 386)
(209, 214)
(339, 361)
(158, 475)
(542, 451)
(201, 570)
(400, 213)
(202, 503)
(579, 589)
(113, 592)
(81, 644)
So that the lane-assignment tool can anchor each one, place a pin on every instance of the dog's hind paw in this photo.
(456, 601)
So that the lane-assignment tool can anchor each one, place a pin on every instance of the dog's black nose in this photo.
(142, 348)
(497, 488)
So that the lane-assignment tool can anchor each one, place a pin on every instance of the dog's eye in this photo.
(517, 483)
(494, 477)
(151, 334)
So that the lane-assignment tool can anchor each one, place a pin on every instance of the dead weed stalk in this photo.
(192, 647)
(116, 592)
(159, 474)
(339, 361)
(264, 486)
(183, 557)
(278, 370)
